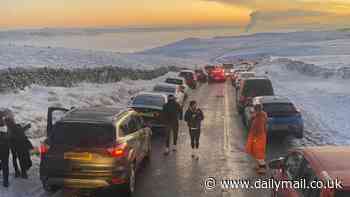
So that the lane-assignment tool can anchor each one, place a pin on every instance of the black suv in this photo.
(253, 87)
(93, 148)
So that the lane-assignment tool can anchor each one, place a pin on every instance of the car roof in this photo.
(152, 94)
(271, 99)
(183, 71)
(330, 161)
(96, 115)
(166, 85)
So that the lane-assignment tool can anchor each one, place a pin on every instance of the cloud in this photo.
(275, 14)
(287, 15)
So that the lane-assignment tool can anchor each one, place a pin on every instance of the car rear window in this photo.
(174, 81)
(341, 193)
(275, 109)
(253, 88)
(83, 135)
(164, 89)
(149, 100)
(186, 75)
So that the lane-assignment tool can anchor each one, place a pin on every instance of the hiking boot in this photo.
(5, 183)
(17, 174)
(24, 175)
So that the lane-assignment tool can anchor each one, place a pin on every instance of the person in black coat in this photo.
(172, 113)
(20, 146)
(4, 153)
(194, 116)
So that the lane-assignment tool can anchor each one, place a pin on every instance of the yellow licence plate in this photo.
(78, 156)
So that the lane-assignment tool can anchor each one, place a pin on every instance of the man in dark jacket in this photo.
(20, 146)
(172, 113)
(4, 153)
(194, 116)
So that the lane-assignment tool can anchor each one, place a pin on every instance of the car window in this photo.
(293, 164)
(174, 81)
(82, 135)
(152, 100)
(253, 88)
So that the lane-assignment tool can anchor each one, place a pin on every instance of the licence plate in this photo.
(280, 127)
(78, 156)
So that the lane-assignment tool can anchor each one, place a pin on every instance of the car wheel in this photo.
(130, 186)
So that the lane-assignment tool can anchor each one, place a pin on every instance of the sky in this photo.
(251, 14)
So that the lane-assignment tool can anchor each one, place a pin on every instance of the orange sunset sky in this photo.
(126, 13)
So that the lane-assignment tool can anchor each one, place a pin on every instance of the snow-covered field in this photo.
(311, 68)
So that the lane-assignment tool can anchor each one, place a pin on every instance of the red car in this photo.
(316, 166)
(217, 74)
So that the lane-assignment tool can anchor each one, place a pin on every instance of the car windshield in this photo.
(152, 100)
(279, 108)
(253, 88)
(82, 135)
(167, 89)
(342, 193)
(174, 81)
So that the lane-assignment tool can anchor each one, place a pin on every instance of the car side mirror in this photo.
(277, 163)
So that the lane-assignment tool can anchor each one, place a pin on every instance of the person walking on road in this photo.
(172, 113)
(257, 137)
(194, 116)
(20, 146)
(4, 153)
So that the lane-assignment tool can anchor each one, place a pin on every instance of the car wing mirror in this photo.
(277, 163)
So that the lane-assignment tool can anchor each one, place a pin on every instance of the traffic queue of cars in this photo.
(96, 148)
(284, 119)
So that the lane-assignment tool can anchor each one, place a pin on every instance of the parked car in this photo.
(284, 118)
(190, 77)
(243, 75)
(228, 68)
(209, 68)
(180, 82)
(235, 74)
(170, 89)
(94, 148)
(217, 75)
(150, 105)
(250, 88)
(201, 75)
(325, 164)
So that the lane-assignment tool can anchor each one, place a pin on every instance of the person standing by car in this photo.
(20, 145)
(4, 153)
(172, 112)
(257, 137)
(194, 116)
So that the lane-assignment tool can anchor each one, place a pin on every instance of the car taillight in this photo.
(43, 149)
(119, 150)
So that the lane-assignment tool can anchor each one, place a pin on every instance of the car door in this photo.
(132, 135)
(54, 114)
(291, 171)
(144, 135)
(308, 174)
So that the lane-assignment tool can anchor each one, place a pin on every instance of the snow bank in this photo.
(30, 105)
(324, 102)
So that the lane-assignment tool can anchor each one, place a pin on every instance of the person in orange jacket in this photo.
(257, 137)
